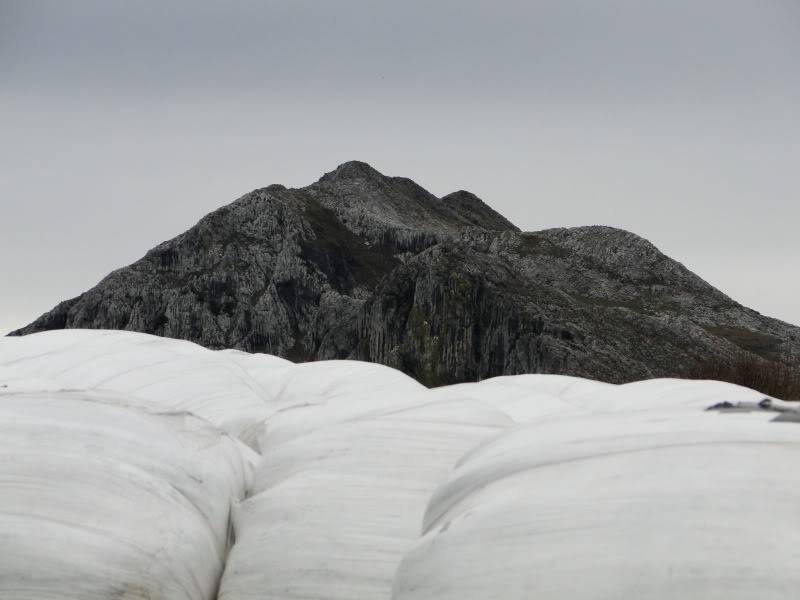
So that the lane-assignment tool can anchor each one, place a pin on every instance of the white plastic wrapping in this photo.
(119, 479)
(332, 512)
(101, 501)
(309, 396)
(156, 373)
(651, 498)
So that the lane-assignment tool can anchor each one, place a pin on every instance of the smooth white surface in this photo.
(156, 373)
(313, 395)
(123, 460)
(101, 501)
(331, 513)
(660, 503)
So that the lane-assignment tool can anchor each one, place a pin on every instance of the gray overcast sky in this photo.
(125, 122)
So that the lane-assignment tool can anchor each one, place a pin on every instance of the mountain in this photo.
(365, 266)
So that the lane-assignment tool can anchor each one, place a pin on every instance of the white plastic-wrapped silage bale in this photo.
(635, 502)
(309, 396)
(152, 372)
(333, 510)
(101, 501)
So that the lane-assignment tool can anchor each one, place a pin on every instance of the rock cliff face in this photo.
(365, 266)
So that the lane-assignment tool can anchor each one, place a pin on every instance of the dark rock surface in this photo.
(360, 265)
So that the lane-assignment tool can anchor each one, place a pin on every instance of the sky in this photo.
(123, 123)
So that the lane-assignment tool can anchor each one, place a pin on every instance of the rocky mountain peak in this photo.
(352, 169)
(366, 266)
(477, 212)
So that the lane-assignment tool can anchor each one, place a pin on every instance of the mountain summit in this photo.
(361, 265)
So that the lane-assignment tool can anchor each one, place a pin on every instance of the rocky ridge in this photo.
(364, 266)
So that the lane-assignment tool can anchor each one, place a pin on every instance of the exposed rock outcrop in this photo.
(361, 265)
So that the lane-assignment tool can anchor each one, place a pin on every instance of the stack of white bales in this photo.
(648, 495)
(118, 470)
(361, 483)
